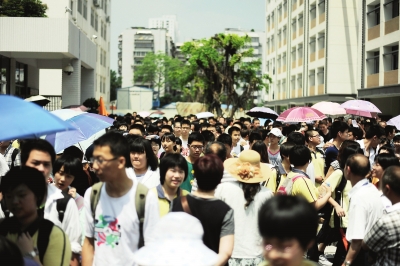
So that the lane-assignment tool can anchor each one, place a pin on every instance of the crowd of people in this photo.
(208, 191)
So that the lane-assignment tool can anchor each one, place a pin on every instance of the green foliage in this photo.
(22, 8)
(115, 83)
(92, 104)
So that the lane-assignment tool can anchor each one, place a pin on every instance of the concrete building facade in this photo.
(168, 22)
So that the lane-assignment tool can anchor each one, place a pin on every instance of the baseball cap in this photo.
(276, 131)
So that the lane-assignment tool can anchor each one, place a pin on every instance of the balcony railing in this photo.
(312, 90)
(321, 53)
(293, 35)
(392, 25)
(284, 69)
(294, 64)
(300, 92)
(391, 77)
(300, 31)
(312, 57)
(300, 61)
(294, 6)
(313, 23)
(321, 89)
(374, 32)
(373, 80)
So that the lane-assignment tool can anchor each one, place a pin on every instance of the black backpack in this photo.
(62, 205)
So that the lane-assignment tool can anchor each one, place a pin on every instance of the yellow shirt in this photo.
(58, 250)
(334, 181)
(164, 204)
(271, 181)
(303, 187)
(318, 161)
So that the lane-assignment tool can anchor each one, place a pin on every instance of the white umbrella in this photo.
(204, 115)
(38, 99)
(144, 114)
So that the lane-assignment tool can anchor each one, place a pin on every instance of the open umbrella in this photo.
(204, 115)
(262, 112)
(300, 114)
(144, 114)
(395, 121)
(329, 108)
(87, 124)
(361, 108)
(22, 120)
(38, 99)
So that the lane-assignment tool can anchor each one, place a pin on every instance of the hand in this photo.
(25, 243)
(72, 192)
(318, 179)
(327, 145)
(327, 189)
(339, 211)
(243, 143)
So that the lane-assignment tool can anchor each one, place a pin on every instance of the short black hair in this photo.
(375, 130)
(244, 132)
(195, 136)
(138, 126)
(152, 128)
(233, 129)
(296, 138)
(389, 130)
(281, 217)
(396, 138)
(359, 164)
(169, 136)
(264, 133)
(346, 151)
(285, 148)
(338, 126)
(72, 165)
(225, 139)
(356, 132)
(208, 135)
(388, 148)
(30, 177)
(391, 177)
(142, 145)
(185, 122)
(299, 155)
(74, 152)
(277, 124)
(167, 127)
(172, 160)
(36, 144)
(118, 145)
(208, 171)
(217, 148)
(260, 147)
(255, 119)
(254, 136)
(385, 160)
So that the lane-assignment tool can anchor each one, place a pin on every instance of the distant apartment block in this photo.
(168, 22)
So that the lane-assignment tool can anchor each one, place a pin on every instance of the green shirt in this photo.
(187, 184)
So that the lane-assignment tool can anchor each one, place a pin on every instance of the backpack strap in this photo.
(140, 202)
(185, 205)
(43, 239)
(95, 197)
(13, 157)
(62, 205)
(278, 176)
(4, 208)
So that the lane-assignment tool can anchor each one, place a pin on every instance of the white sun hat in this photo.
(178, 241)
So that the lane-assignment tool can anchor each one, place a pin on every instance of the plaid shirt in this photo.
(384, 237)
(8, 156)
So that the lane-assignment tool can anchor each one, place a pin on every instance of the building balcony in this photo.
(301, 2)
(321, 18)
(284, 69)
(312, 90)
(374, 32)
(300, 61)
(294, 64)
(284, 95)
(300, 92)
(285, 14)
(280, 18)
(392, 25)
(293, 35)
(321, 53)
(373, 80)
(391, 77)
(321, 89)
(294, 6)
(313, 23)
(284, 41)
(312, 57)
(279, 70)
(300, 31)
(293, 93)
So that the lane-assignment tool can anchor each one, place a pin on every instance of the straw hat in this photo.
(248, 168)
(178, 241)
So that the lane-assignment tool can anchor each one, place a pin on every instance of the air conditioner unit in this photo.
(96, 3)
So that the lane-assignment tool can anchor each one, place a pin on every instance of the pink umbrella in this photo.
(329, 108)
(301, 114)
(361, 108)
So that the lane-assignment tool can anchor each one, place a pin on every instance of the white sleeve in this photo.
(72, 226)
(3, 166)
(89, 221)
(310, 172)
(151, 216)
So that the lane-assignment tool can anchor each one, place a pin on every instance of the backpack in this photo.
(13, 156)
(338, 198)
(287, 185)
(140, 202)
(62, 205)
(278, 177)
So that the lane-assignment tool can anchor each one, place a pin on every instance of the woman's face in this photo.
(377, 170)
(62, 180)
(21, 202)
(138, 160)
(283, 253)
(168, 145)
(155, 147)
(174, 177)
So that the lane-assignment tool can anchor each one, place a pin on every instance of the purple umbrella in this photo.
(395, 121)
(262, 112)
(361, 108)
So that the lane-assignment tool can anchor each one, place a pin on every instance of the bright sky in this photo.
(196, 19)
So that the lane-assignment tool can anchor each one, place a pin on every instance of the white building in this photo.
(257, 43)
(36, 50)
(331, 50)
(168, 22)
(134, 44)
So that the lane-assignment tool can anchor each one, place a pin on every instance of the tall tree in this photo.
(22, 8)
(115, 83)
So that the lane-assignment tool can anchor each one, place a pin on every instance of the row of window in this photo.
(390, 59)
(103, 57)
(102, 84)
(390, 10)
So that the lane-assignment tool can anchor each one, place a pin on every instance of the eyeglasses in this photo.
(154, 145)
(185, 128)
(196, 147)
(282, 250)
(100, 161)
(177, 127)
(316, 136)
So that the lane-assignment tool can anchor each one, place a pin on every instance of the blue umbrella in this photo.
(20, 119)
(87, 125)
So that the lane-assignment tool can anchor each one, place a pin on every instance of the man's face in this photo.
(273, 139)
(247, 124)
(196, 148)
(185, 130)
(105, 164)
(315, 138)
(211, 121)
(344, 135)
(323, 128)
(391, 135)
(135, 131)
(235, 137)
(164, 131)
(212, 130)
(221, 120)
(350, 136)
(177, 129)
(41, 161)
(257, 123)
(5, 143)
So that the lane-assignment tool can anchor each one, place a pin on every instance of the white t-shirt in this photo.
(247, 238)
(3, 166)
(365, 209)
(236, 150)
(372, 152)
(150, 179)
(116, 229)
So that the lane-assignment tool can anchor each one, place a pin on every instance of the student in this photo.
(339, 133)
(227, 141)
(287, 225)
(273, 150)
(113, 225)
(324, 131)
(185, 131)
(24, 192)
(215, 215)
(168, 144)
(234, 132)
(317, 155)
(177, 129)
(196, 147)
(370, 143)
(173, 172)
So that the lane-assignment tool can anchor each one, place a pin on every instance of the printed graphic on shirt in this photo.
(185, 152)
(107, 231)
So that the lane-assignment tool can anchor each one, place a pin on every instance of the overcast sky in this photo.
(196, 19)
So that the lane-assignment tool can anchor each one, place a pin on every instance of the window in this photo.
(101, 57)
(5, 71)
(391, 9)
(92, 17)
(21, 80)
(395, 55)
(105, 58)
(96, 22)
(312, 78)
(85, 3)
(101, 29)
(105, 31)
(105, 7)
(374, 15)
(391, 58)
(72, 7)
(80, 6)
(255, 39)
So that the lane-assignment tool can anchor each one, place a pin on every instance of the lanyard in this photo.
(299, 172)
